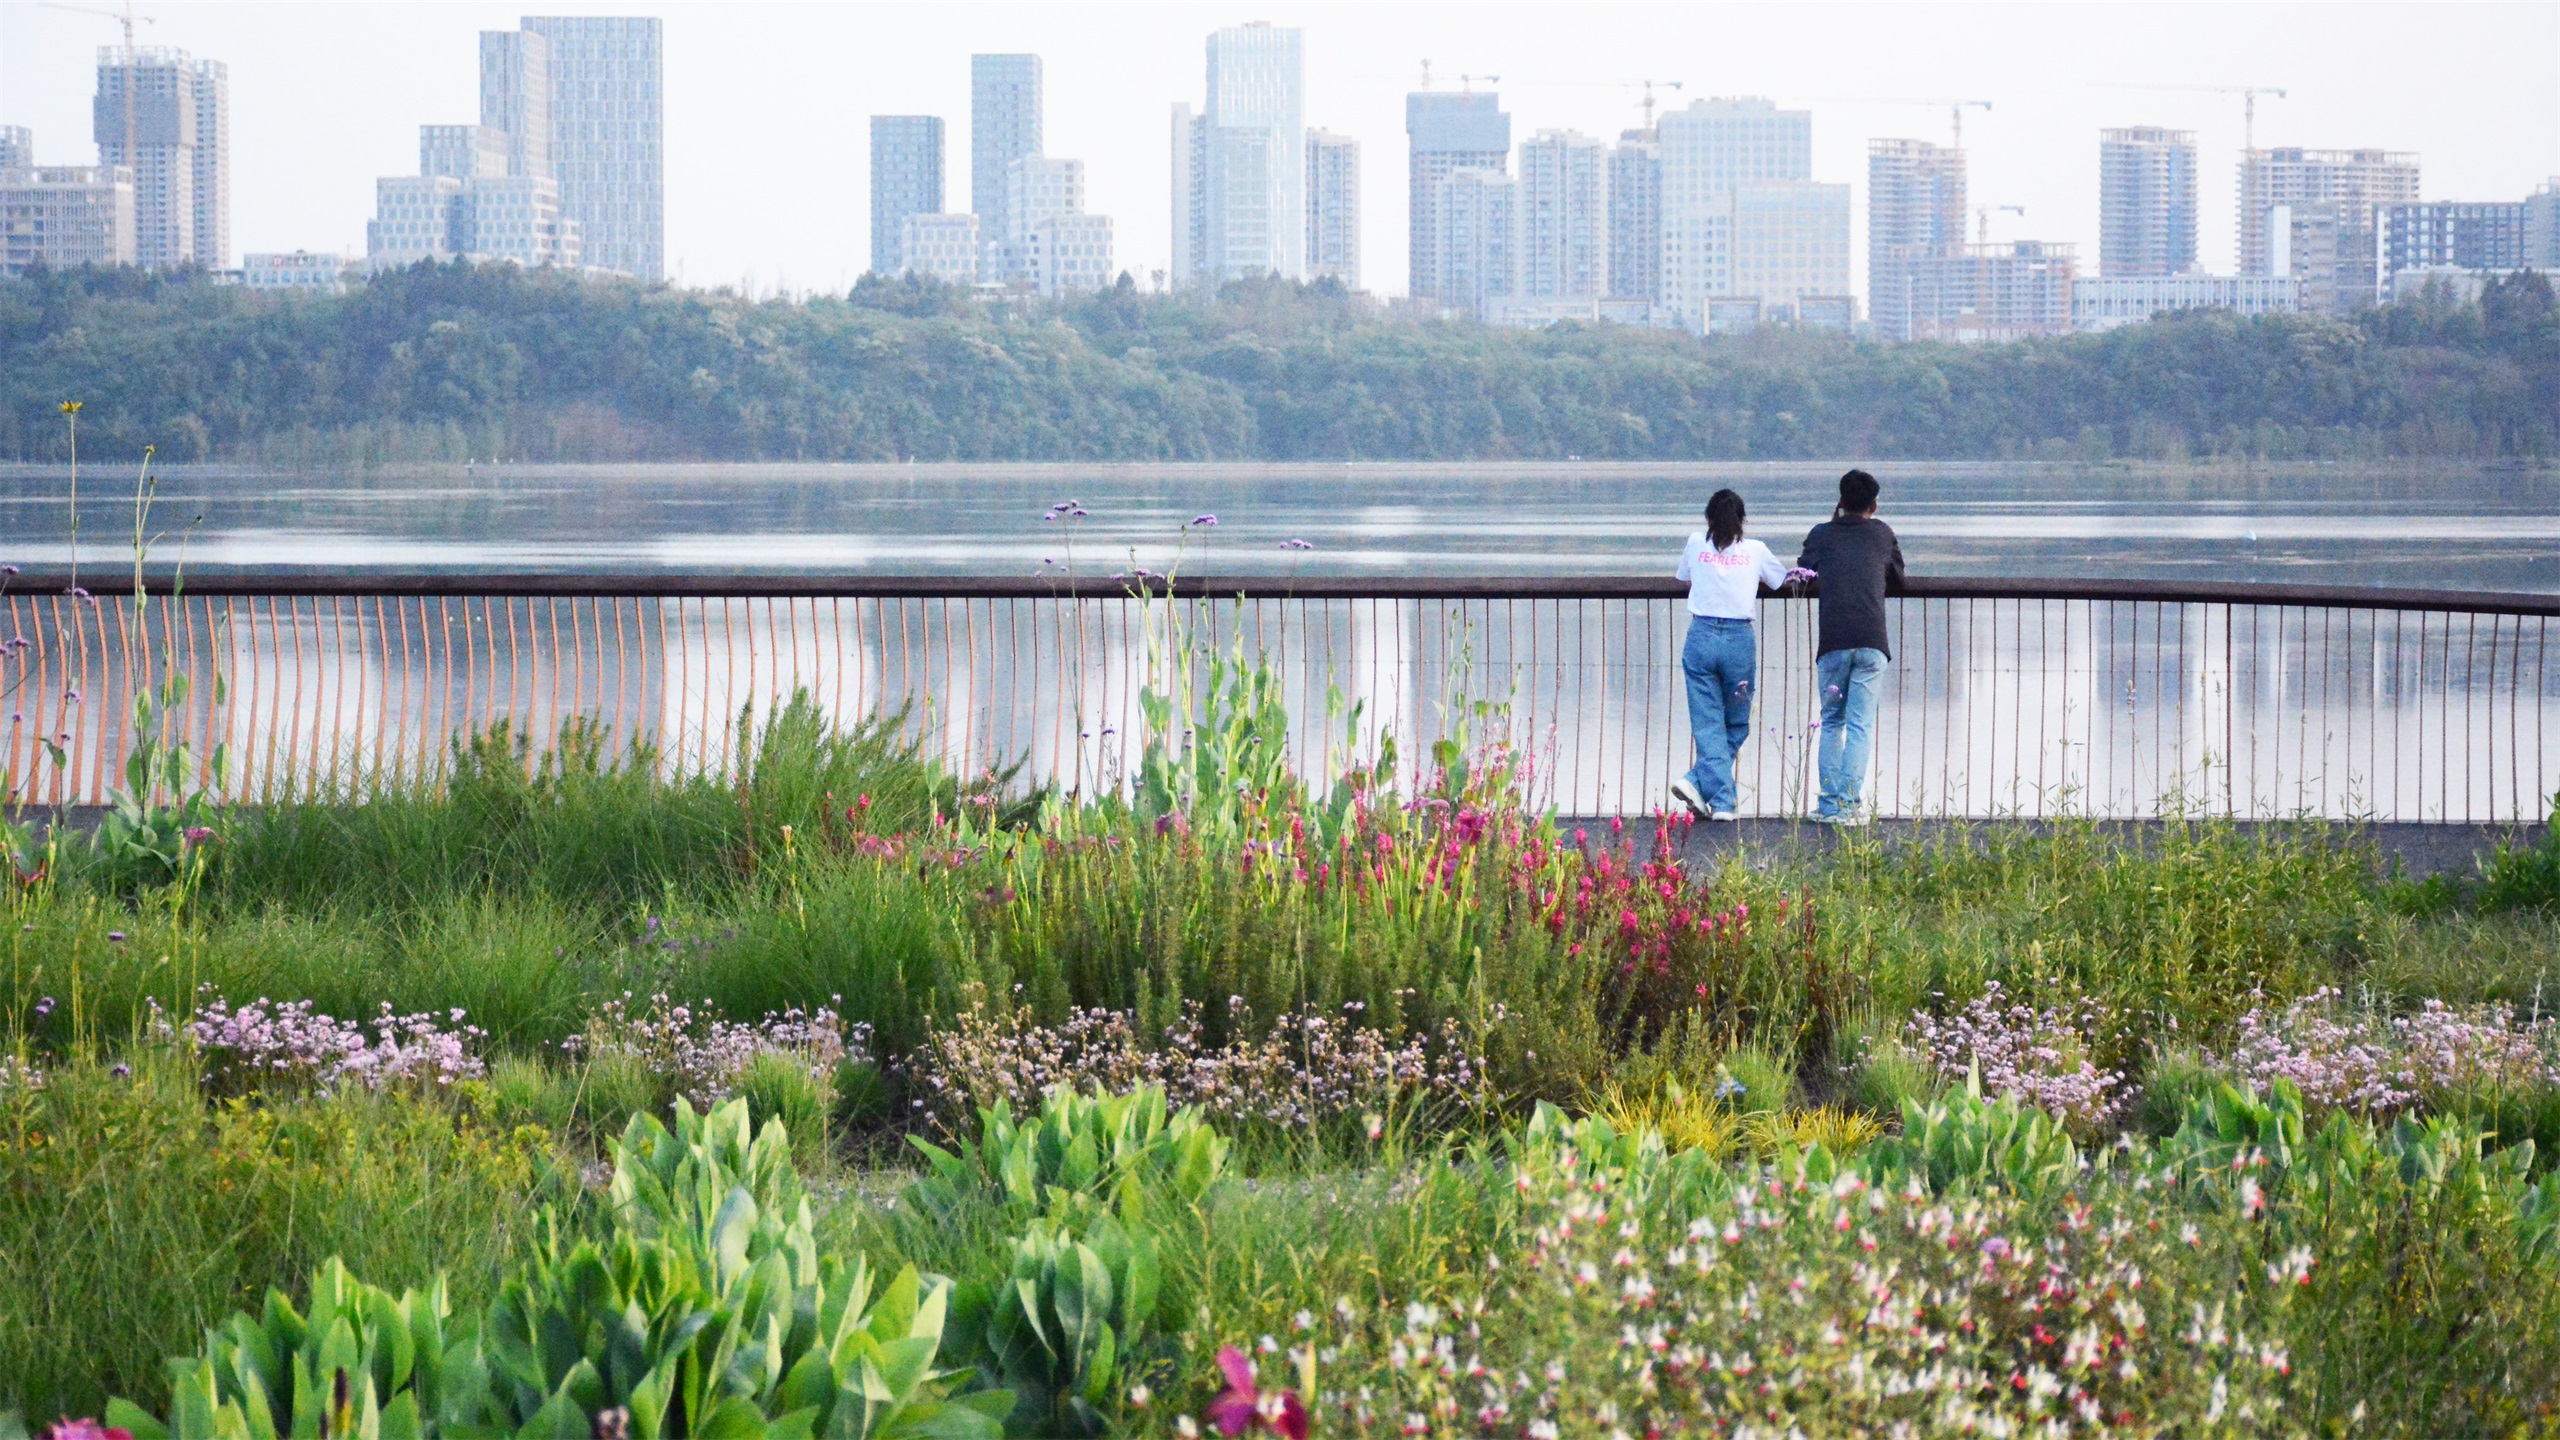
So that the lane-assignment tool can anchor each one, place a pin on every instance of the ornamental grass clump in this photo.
(264, 1045)
(704, 1057)
(2041, 1055)
(1310, 1068)
(2380, 1064)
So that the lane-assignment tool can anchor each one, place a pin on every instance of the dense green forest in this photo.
(452, 362)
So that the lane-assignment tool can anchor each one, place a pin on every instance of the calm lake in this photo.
(2430, 525)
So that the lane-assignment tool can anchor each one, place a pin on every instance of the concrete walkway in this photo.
(2419, 850)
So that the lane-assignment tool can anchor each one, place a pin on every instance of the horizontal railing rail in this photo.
(777, 585)
(2028, 696)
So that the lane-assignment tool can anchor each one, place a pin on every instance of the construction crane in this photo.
(1467, 83)
(1982, 220)
(2248, 103)
(1955, 108)
(132, 61)
(1648, 102)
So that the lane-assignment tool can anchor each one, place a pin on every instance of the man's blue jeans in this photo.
(1721, 658)
(1850, 681)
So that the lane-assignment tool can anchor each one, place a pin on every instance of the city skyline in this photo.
(2485, 120)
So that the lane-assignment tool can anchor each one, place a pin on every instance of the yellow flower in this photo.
(70, 407)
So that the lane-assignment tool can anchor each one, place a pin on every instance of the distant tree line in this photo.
(455, 362)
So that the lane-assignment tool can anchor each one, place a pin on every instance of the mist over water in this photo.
(2423, 525)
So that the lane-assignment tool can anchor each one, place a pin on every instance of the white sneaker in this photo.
(1724, 815)
(1687, 794)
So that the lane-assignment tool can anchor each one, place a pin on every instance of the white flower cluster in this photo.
(2379, 1063)
(1309, 1067)
(705, 1055)
(2039, 1055)
(263, 1042)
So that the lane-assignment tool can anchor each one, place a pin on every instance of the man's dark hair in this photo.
(1724, 519)
(1858, 493)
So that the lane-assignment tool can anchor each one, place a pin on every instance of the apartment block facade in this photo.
(906, 179)
(63, 216)
(1445, 133)
(1562, 203)
(1635, 218)
(2146, 201)
(1915, 214)
(1333, 208)
(166, 116)
(606, 83)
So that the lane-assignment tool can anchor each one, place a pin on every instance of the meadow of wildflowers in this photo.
(1394, 1005)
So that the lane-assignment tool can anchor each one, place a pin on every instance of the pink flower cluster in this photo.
(2039, 1055)
(263, 1042)
(703, 1055)
(2379, 1063)
(1308, 1068)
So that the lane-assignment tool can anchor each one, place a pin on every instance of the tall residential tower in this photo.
(1333, 208)
(607, 141)
(1563, 217)
(1004, 126)
(906, 179)
(1915, 216)
(1742, 215)
(166, 116)
(2146, 201)
(1446, 133)
(1239, 171)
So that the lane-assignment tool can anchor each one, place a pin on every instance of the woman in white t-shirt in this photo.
(1721, 657)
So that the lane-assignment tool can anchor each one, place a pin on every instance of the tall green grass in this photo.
(132, 1215)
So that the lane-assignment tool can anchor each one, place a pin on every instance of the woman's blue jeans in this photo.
(1721, 659)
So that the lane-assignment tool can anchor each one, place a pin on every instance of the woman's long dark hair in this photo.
(1724, 519)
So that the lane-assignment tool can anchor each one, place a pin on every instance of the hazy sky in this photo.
(767, 104)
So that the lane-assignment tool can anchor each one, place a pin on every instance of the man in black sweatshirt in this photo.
(1856, 558)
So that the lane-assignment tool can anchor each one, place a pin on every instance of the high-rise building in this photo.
(515, 97)
(1333, 208)
(906, 179)
(465, 152)
(607, 141)
(2356, 181)
(1789, 235)
(1036, 188)
(17, 148)
(1562, 213)
(1254, 155)
(944, 247)
(166, 116)
(1190, 198)
(2542, 226)
(1915, 213)
(2146, 201)
(1004, 126)
(61, 216)
(1445, 133)
(1635, 217)
(1479, 257)
(1069, 254)
(2448, 234)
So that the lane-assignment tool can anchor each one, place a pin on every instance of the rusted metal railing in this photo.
(2028, 697)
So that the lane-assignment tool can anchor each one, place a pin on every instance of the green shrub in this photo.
(2526, 877)
(705, 1310)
